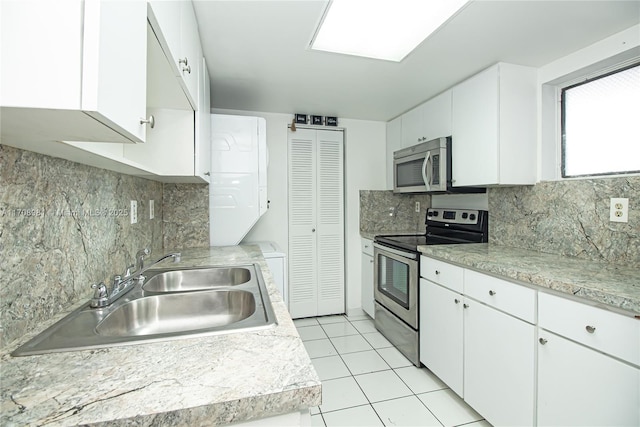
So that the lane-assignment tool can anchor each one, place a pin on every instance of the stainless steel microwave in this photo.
(426, 168)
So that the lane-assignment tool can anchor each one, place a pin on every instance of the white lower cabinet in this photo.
(441, 333)
(578, 386)
(499, 365)
(564, 364)
(367, 277)
(482, 354)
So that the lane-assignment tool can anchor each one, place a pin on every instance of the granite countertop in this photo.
(608, 285)
(193, 381)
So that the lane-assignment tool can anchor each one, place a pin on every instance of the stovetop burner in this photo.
(444, 226)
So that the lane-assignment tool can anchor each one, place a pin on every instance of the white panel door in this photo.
(303, 290)
(316, 222)
(330, 222)
(499, 365)
(578, 386)
(441, 333)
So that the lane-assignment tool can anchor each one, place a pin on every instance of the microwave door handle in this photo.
(426, 169)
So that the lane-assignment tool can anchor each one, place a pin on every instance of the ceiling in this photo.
(258, 56)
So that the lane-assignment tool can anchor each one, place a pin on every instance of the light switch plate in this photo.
(619, 210)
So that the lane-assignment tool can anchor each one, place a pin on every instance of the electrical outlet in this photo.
(418, 207)
(619, 210)
(134, 212)
(152, 211)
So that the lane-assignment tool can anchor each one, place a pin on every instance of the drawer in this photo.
(514, 299)
(367, 246)
(603, 330)
(447, 275)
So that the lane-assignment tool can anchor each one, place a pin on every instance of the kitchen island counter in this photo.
(607, 285)
(212, 380)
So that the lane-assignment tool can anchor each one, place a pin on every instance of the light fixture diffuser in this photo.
(381, 29)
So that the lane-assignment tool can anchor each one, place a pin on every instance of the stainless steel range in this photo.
(397, 272)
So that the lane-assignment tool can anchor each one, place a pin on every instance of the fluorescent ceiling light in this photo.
(381, 29)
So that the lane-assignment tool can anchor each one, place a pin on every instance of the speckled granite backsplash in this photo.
(568, 218)
(64, 226)
(186, 216)
(385, 211)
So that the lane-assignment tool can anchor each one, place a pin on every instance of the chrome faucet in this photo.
(122, 284)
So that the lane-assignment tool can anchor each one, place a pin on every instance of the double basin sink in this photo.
(167, 304)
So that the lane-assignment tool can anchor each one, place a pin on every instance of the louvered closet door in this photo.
(330, 223)
(303, 268)
(316, 223)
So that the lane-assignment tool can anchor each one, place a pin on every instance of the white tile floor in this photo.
(367, 382)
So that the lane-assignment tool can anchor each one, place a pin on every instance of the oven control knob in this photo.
(435, 213)
(472, 217)
(464, 215)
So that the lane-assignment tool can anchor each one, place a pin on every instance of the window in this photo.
(601, 125)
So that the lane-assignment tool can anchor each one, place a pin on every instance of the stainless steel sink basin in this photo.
(181, 303)
(197, 279)
(166, 314)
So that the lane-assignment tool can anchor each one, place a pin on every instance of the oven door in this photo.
(396, 282)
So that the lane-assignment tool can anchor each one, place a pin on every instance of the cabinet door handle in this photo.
(437, 272)
(313, 230)
(590, 329)
(370, 261)
(456, 300)
(151, 121)
(207, 173)
(184, 61)
(542, 341)
(187, 69)
(492, 293)
(465, 305)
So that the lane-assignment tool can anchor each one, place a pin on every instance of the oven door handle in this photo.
(403, 254)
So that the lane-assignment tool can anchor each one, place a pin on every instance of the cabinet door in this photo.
(498, 365)
(164, 16)
(49, 34)
(367, 284)
(412, 127)
(394, 143)
(437, 116)
(441, 333)
(475, 130)
(191, 51)
(203, 126)
(578, 386)
(114, 62)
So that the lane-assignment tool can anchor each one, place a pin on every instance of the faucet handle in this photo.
(140, 255)
(127, 272)
(99, 290)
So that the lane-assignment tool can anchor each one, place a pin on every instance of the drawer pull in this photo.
(457, 301)
(590, 329)
(492, 293)
(437, 272)
(465, 305)
(542, 341)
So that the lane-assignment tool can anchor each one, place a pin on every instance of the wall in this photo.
(384, 211)
(568, 218)
(185, 220)
(365, 151)
(63, 227)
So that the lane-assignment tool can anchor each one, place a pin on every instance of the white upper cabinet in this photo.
(412, 127)
(494, 128)
(427, 121)
(437, 117)
(176, 27)
(203, 126)
(72, 70)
